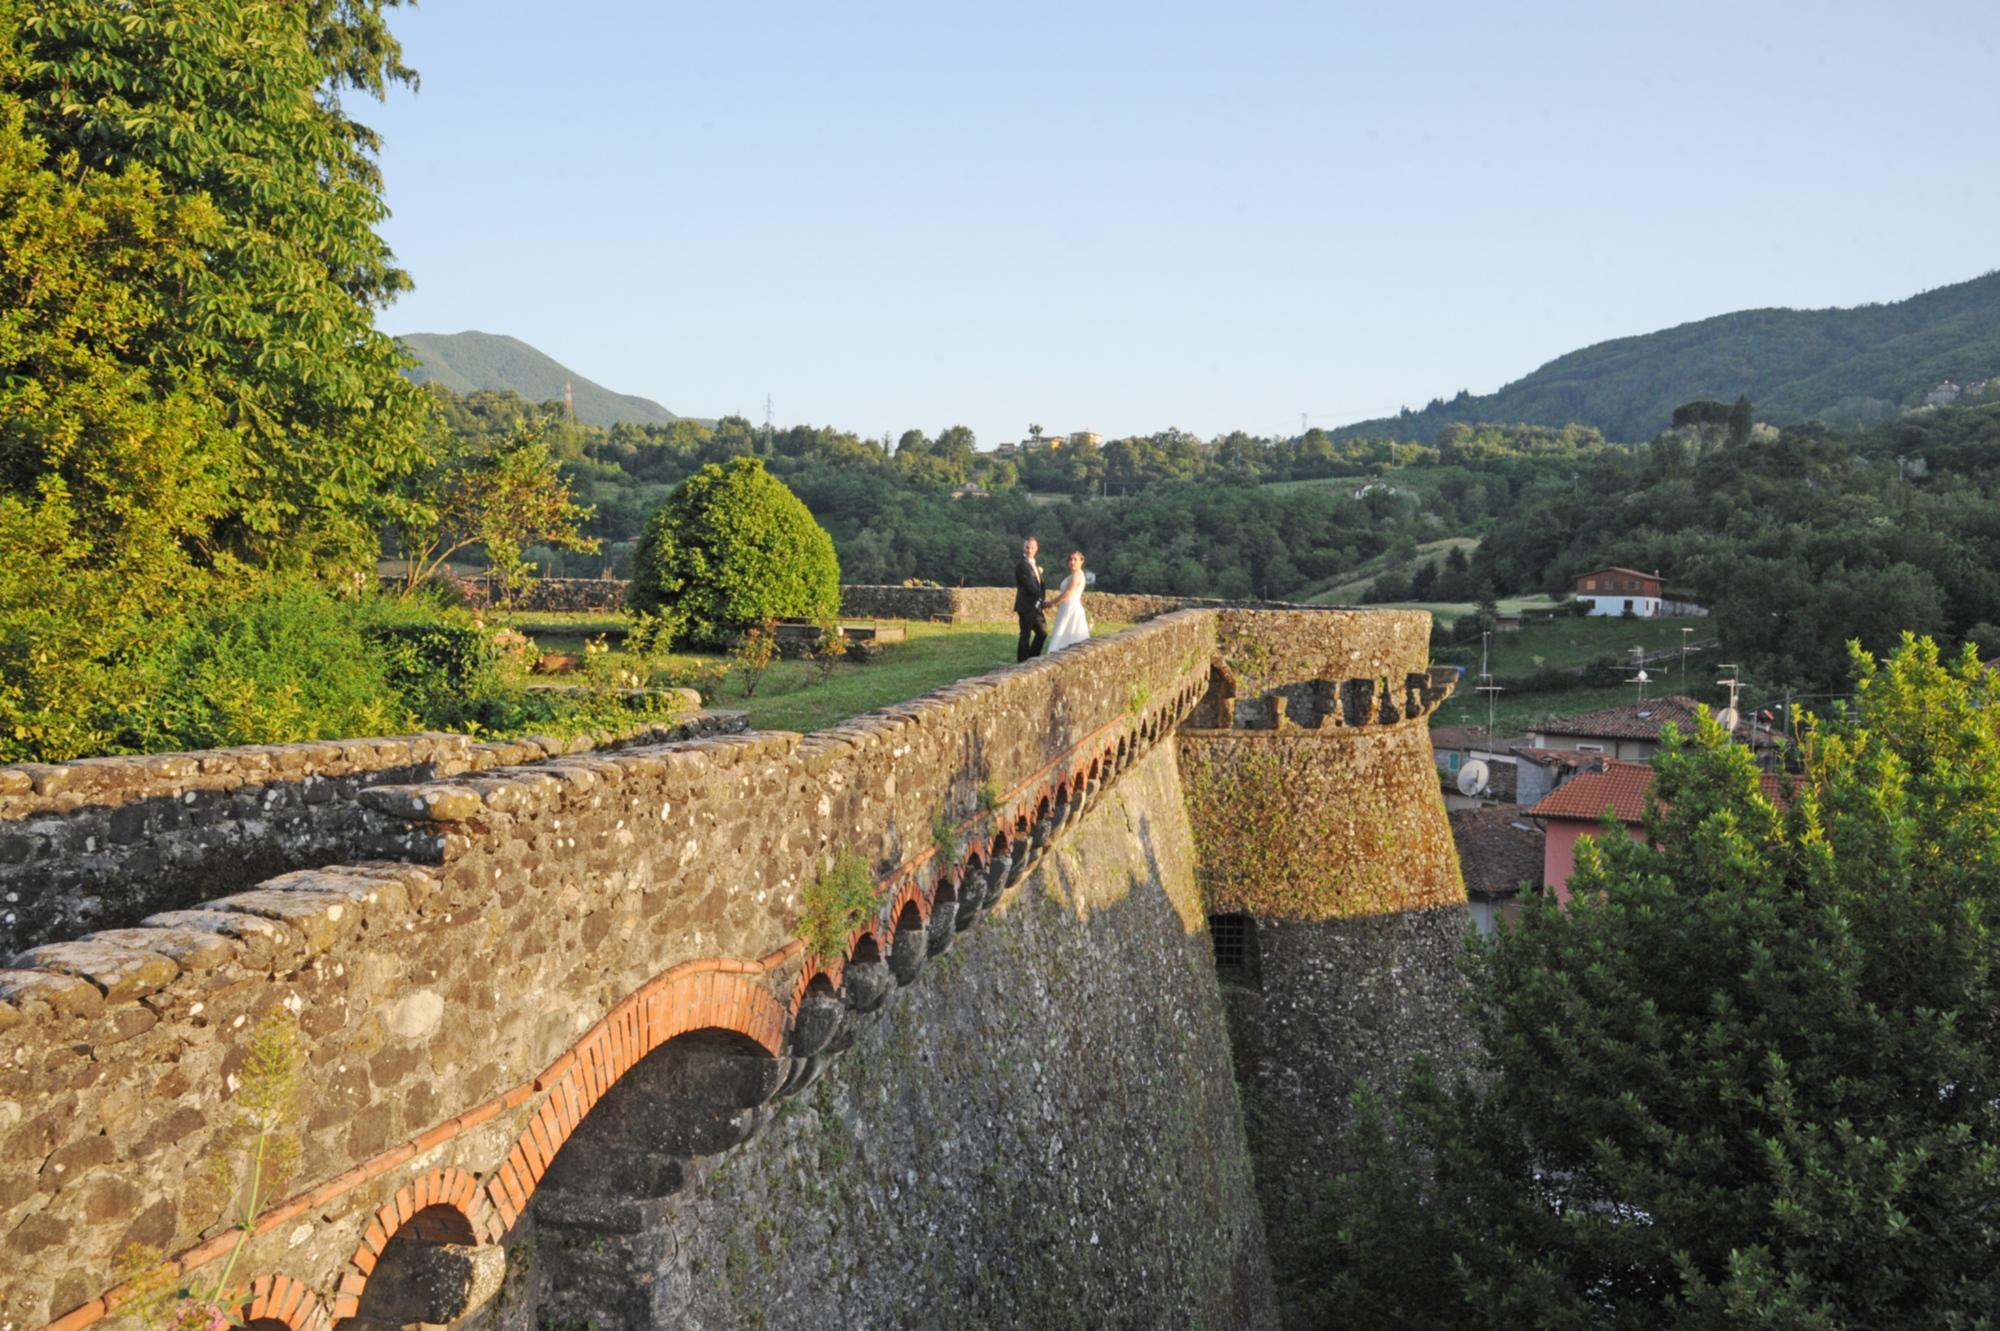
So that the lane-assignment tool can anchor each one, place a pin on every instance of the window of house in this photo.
(1453, 760)
(1590, 584)
(1628, 603)
(1590, 748)
(1235, 939)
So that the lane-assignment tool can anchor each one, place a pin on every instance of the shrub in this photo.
(434, 663)
(731, 547)
(839, 900)
(285, 662)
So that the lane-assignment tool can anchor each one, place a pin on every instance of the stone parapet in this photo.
(101, 842)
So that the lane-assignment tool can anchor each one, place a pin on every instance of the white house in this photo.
(1621, 591)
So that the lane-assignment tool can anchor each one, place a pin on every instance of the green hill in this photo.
(467, 362)
(1846, 367)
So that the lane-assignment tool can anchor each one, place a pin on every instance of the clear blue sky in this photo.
(1128, 217)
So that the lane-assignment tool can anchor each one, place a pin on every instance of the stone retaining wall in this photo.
(101, 843)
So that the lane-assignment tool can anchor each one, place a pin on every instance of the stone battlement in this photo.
(582, 977)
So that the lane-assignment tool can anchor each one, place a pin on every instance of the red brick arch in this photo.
(681, 1000)
(281, 1300)
(442, 1206)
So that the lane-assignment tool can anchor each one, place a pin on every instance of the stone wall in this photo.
(1042, 1133)
(103, 842)
(555, 928)
(995, 605)
(569, 1058)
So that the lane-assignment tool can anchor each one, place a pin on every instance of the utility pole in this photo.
(1685, 630)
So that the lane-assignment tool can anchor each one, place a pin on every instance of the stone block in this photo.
(124, 974)
(49, 991)
(431, 803)
(191, 949)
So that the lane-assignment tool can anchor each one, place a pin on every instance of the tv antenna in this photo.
(1486, 684)
(1642, 678)
(1729, 717)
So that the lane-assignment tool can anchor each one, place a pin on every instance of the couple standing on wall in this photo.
(1031, 600)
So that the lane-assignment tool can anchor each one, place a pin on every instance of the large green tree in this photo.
(730, 547)
(1747, 1078)
(239, 103)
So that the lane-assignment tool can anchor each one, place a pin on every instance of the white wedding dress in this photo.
(1072, 626)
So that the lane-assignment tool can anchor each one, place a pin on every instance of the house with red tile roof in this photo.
(1630, 731)
(1498, 851)
(1577, 809)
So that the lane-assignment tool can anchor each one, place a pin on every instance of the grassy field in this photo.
(790, 696)
(1567, 643)
(1347, 589)
(1513, 715)
(1570, 642)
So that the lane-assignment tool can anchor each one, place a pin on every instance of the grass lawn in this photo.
(1570, 642)
(1512, 715)
(790, 697)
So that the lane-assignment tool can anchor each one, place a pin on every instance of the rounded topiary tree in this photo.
(732, 546)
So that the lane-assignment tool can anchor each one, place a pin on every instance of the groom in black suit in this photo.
(1028, 596)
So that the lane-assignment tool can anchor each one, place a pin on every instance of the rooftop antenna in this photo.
(1729, 715)
(1642, 678)
(1486, 684)
(1685, 630)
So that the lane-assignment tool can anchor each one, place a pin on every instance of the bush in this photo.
(732, 547)
(436, 666)
(286, 662)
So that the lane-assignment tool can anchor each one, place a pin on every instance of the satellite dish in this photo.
(1472, 778)
(1727, 718)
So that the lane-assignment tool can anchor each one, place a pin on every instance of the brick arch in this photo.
(442, 1206)
(912, 892)
(680, 1001)
(282, 1302)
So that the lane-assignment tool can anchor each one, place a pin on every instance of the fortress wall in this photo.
(565, 923)
(101, 843)
(1043, 1132)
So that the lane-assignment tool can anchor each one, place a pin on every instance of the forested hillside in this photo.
(1800, 540)
(1847, 367)
(1237, 516)
(471, 361)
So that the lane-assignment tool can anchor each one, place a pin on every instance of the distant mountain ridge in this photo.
(1843, 366)
(467, 362)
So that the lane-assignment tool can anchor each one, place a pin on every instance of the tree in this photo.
(235, 103)
(1741, 418)
(731, 547)
(502, 497)
(1746, 1077)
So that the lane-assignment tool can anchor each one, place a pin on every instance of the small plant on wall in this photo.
(840, 899)
(256, 1156)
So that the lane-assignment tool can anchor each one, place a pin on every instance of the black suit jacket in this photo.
(1027, 588)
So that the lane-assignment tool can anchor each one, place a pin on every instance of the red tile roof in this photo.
(1619, 786)
(1631, 720)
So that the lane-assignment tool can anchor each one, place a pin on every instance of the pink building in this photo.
(1577, 809)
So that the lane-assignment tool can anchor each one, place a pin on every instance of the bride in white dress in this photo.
(1072, 625)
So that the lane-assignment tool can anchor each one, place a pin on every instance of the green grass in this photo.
(1513, 715)
(1346, 589)
(1570, 642)
(790, 696)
